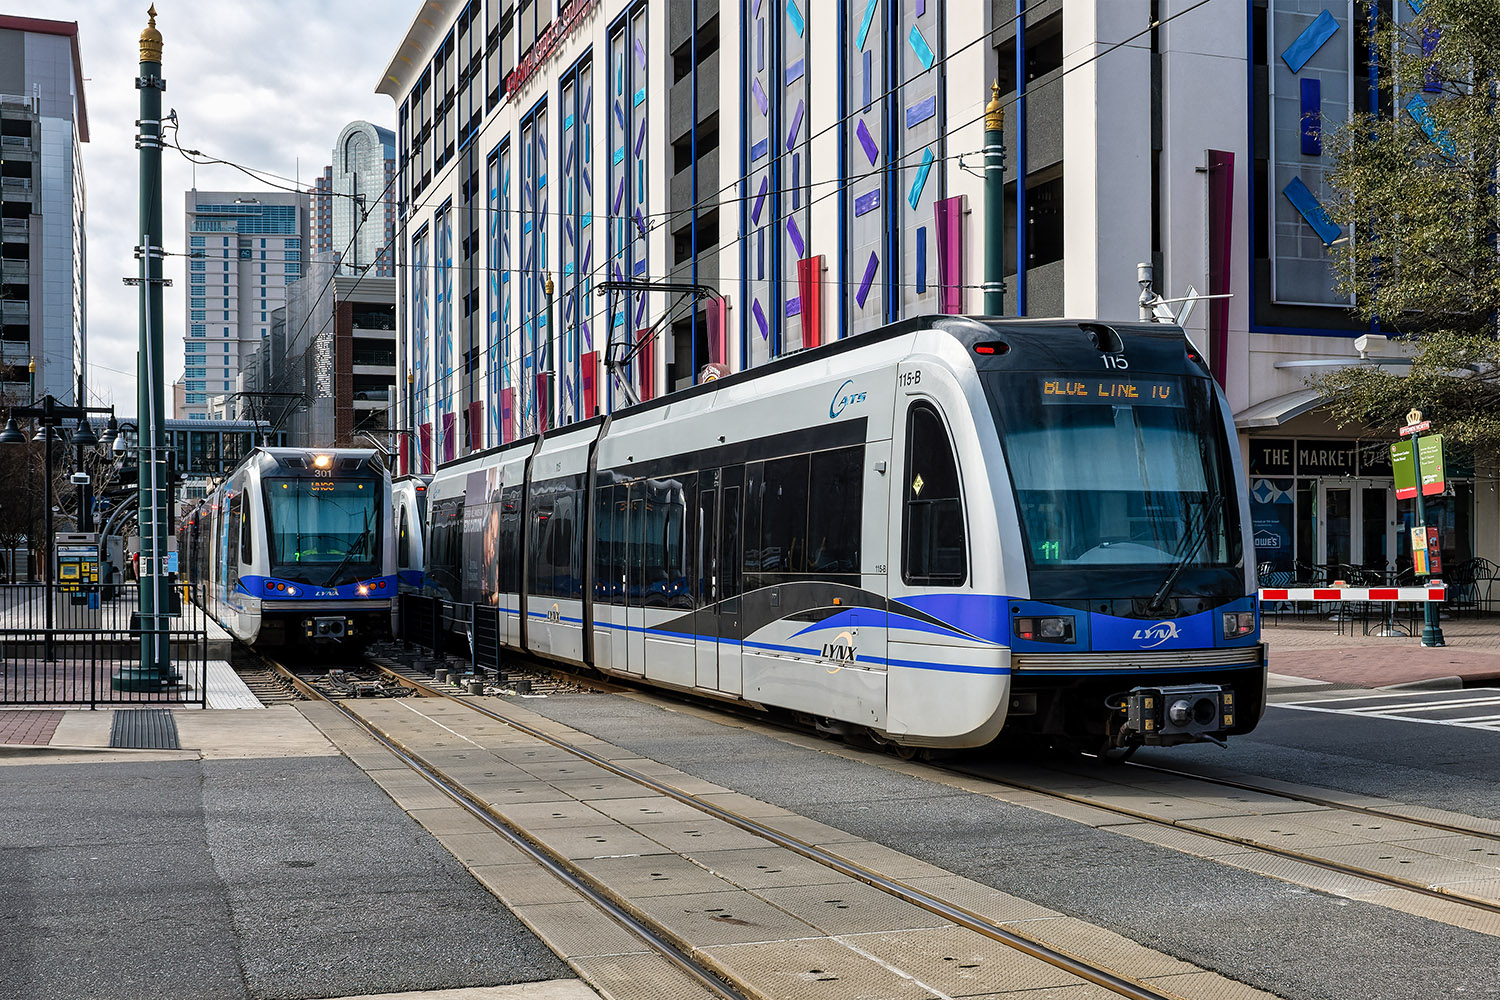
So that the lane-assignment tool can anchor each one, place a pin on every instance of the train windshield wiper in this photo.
(1187, 549)
(358, 546)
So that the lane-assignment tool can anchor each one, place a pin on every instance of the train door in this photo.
(729, 630)
(635, 583)
(706, 579)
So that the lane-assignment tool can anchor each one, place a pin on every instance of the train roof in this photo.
(1049, 343)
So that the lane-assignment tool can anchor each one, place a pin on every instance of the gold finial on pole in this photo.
(994, 112)
(151, 39)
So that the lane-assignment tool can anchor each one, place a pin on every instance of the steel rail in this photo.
(964, 918)
(1390, 881)
(1314, 800)
(580, 883)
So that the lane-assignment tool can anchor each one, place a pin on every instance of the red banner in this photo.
(588, 367)
(810, 289)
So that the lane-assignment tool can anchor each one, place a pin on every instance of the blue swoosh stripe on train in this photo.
(894, 620)
(815, 654)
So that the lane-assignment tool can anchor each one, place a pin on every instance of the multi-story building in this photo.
(354, 202)
(328, 367)
(321, 240)
(820, 166)
(244, 248)
(43, 122)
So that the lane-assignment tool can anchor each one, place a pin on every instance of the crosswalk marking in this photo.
(1435, 708)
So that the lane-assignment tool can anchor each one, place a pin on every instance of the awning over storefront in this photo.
(1278, 410)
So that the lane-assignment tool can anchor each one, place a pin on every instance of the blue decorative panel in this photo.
(1312, 210)
(1306, 44)
(1311, 89)
(1312, 117)
(1422, 114)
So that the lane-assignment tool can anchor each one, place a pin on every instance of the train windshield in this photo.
(1119, 480)
(323, 525)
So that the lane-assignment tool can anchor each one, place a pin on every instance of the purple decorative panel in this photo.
(949, 228)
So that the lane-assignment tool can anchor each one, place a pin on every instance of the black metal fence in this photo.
(93, 606)
(89, 653)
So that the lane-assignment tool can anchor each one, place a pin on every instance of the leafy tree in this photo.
(1416, 185)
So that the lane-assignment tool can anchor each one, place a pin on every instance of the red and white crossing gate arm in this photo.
(1419, 594)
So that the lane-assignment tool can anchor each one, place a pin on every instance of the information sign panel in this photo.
(1430, 451)
(1404, 468)
(1419, 551)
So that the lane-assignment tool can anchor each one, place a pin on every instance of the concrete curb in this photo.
(1450, 683)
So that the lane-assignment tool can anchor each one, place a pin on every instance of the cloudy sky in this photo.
(265, 83)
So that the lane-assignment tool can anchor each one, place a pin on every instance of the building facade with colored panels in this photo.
(819, 166)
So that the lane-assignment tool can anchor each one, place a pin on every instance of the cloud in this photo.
(267, 84)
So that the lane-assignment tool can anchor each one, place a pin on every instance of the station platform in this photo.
(30, 612)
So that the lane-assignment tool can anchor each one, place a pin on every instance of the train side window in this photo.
(834, 516)
(932, 549)
(510, 540)
(635, 556)
(245, 552)
(539, 575)
(231, 528)
(705, 566)
(783, 540)
(729, 550)
(403, 546)
(755, 477)
(604, 510)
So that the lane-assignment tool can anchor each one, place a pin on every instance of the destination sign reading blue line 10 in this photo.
(1114, 391)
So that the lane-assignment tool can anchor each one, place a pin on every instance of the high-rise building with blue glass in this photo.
(244, 248)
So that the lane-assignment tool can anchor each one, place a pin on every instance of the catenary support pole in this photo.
(155, 666)
(994, 197)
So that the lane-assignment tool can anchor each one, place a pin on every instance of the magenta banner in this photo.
(1220, 245)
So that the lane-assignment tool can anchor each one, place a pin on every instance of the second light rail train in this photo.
(928, 534)
(295, 548)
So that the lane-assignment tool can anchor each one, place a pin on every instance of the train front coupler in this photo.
(1170, 715)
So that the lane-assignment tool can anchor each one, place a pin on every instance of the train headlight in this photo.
(1238, 624)
(322, 461)
(1055, 628)
(364, 591)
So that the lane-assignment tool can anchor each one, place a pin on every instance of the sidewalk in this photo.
(1310, 647)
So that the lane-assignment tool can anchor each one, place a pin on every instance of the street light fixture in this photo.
(83, 434)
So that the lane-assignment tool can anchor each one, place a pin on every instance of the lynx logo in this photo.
(841, 651)
(1160, 632)
(325, 593)
(842, 399)
(554, 615)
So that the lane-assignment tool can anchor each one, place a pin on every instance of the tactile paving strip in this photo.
(641, 977)
(813, 969)
(850, 907)
(144, 729)
(960, 962)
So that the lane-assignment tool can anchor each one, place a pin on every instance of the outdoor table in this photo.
(1389, 596)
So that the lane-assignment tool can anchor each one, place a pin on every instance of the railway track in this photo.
(683, 954)
(1368, 874)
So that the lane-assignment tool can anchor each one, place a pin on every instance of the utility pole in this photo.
(994, 196)
(156, 650)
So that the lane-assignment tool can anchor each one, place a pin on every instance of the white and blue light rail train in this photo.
(295, 547)
(925, 534)
(409, 495)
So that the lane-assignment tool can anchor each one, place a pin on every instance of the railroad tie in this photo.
(144, 729)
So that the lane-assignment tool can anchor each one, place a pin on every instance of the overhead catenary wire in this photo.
(839, 185)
